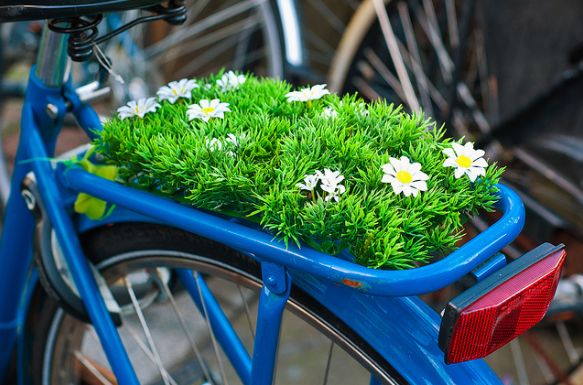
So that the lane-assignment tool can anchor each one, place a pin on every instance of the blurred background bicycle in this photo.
(504, 74)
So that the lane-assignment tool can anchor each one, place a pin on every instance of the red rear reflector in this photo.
(502, 306)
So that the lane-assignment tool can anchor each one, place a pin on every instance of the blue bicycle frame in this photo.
(380, 306)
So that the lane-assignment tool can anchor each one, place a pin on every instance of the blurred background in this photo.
(505, 74)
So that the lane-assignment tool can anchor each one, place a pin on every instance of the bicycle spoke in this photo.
(146, 351)
(244, 42)
(328, 15)
(184, 327)
(199, 27)
(420, 70)
(537, 349)
(323, 46)
(248, 58)
(472, 71)
(328, 363)
(210, 329)
(193, 12)
(391, 42)
(366, 90)
(320, 58)
(147, 332)
(432, 17)
(394, 83)
(466, 96)
(452, 23)
(247, 312)
(519, 362)
(191, 15)
(544, 368)
(488, 84)
(446, 64)
(414, 50)
(567, 342)
(385, 73)
(459, 123)
(478, 67)
(87, 364)
(208, 56)
(210, 39)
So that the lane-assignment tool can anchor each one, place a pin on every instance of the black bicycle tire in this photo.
(108, 242)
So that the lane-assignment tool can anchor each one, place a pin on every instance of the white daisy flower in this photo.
(331, 184)
(330, 181)
(404, 176)
(361, 109)
(139, 108)
(231, 81)
(335, 195)
(214, 144)
(207, 110)
(307, 94)
(310, 182)
(174, 90)
(330, 113)
(466, 160)
(231, 138)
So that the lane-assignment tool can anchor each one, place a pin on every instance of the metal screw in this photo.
(52, 111)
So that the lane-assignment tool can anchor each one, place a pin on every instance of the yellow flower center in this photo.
(464, 161)
(404, 177)
(207, 110)
(137, 110)
(175, 93)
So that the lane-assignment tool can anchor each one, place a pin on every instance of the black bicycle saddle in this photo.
(17, 10)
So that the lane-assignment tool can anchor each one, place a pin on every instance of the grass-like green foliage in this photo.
(279, 143)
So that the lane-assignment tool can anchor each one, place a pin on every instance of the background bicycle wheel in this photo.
(470, 65)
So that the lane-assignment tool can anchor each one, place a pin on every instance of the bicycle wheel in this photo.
(61, 349)
(431, 55)
(427, 55)
(238, 35)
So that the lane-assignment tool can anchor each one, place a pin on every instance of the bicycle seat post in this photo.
(53, 63)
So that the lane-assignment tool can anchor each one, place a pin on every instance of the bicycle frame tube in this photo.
(403, 329)
(15, 248)
(386, 283)
(34, 148)
(39, 128)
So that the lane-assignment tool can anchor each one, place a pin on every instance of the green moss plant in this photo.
(311, 167)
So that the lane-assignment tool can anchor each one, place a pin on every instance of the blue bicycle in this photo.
(160, 292)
